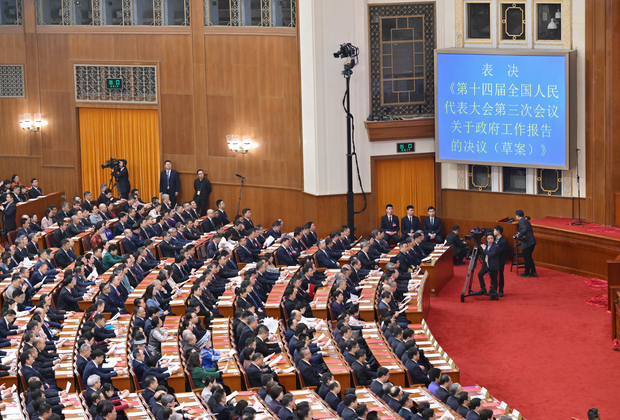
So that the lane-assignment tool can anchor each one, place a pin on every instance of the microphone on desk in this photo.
(240, 176)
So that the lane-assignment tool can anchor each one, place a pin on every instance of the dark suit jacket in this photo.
(284, 257)
(387, 226)
(169, 250)
(367, 263)
(254, 375)
(417, 374)
(309, 373)
(442, 394)
(526, 235)
(169, 187)
(67, 302)
(286, 414)
(502, 244)
(406, 227)
(247, 223)
(324, 260)
(434, 228)
(377, 388)
(59, 235)
(10, 209)
(244, 254)
(348, 414)
(204, 187)
(333, 400)
(363, 377)
(492, 256)
(62, 258)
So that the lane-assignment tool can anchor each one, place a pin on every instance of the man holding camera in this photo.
(528, 243)
(491, 251)
(119, 172)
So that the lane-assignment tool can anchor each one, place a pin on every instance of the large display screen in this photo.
(505, 109)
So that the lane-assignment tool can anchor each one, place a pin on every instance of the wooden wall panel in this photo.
(219, 61)
(494, 206)
(177, 123)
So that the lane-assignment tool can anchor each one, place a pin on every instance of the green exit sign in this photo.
(405, 147)
(114, 83)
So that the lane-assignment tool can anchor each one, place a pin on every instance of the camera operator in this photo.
(528, 243)
(502, 244)
(10, 209)
(491, 265)
(119, 172)
(460, 249)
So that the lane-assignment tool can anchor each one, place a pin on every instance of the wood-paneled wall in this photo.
(479, 205)
(210, 84)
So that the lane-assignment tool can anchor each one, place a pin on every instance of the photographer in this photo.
(119, 172)
(528, 243)
(460, 249)
(491, 265)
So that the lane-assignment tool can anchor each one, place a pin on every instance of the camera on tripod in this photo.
(477, 233)
(113, 163)
(348, 51)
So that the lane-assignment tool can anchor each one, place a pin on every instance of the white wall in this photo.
(323, 26)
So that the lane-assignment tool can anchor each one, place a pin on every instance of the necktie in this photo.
(168, 178)
(432, 221)
(410, 221)
(390, 218)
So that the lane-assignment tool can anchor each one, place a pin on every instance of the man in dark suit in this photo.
(256, 370)
(459, 248)
(389, 224)
(324, 260)
(410, 223)
(74, 227)
(93, 367)
(285, 257)
(308, 372)
(406, 403)
(202, 189)
(333, 396)
(368, 263)
(244, 254)
(432, 227)
(65, 256)
(383, 375)
(169, 182)
(222, 217)
(360, 370)
(247, 221)
(444, 384)
(491, 265)
(502, 244)
(208, 225)
(350, 404)
(167, 248)
(34, 190)
(528, 243)
(61, 233)
(66, 300)
(288, 404)
(475, 407)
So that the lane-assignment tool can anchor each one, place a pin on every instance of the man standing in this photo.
(502, 245)
(528, 243)
(169, 182)
(202, 189)
(491, 265)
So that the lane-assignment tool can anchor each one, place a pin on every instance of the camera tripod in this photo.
(475, 255)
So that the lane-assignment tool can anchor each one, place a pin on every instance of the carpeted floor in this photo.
(587, 228)
(541, 348)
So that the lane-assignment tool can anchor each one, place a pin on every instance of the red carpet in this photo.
(542, 349)
(587, 228)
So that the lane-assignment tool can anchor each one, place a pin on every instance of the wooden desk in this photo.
(440, 271)
(433, 351)
(256, 402)
(421, 394)
(420, 303)
(222, 342)
(39, 205)
(488, 401)
(384, 355)
(320, 409)
(615, 314)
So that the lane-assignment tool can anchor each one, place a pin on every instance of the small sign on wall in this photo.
(405, 147)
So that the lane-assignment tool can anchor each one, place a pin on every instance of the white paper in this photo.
(447, 416)
(68, 386)
(289, 370)
(231, 396)
(269, 241)
(26, 263)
